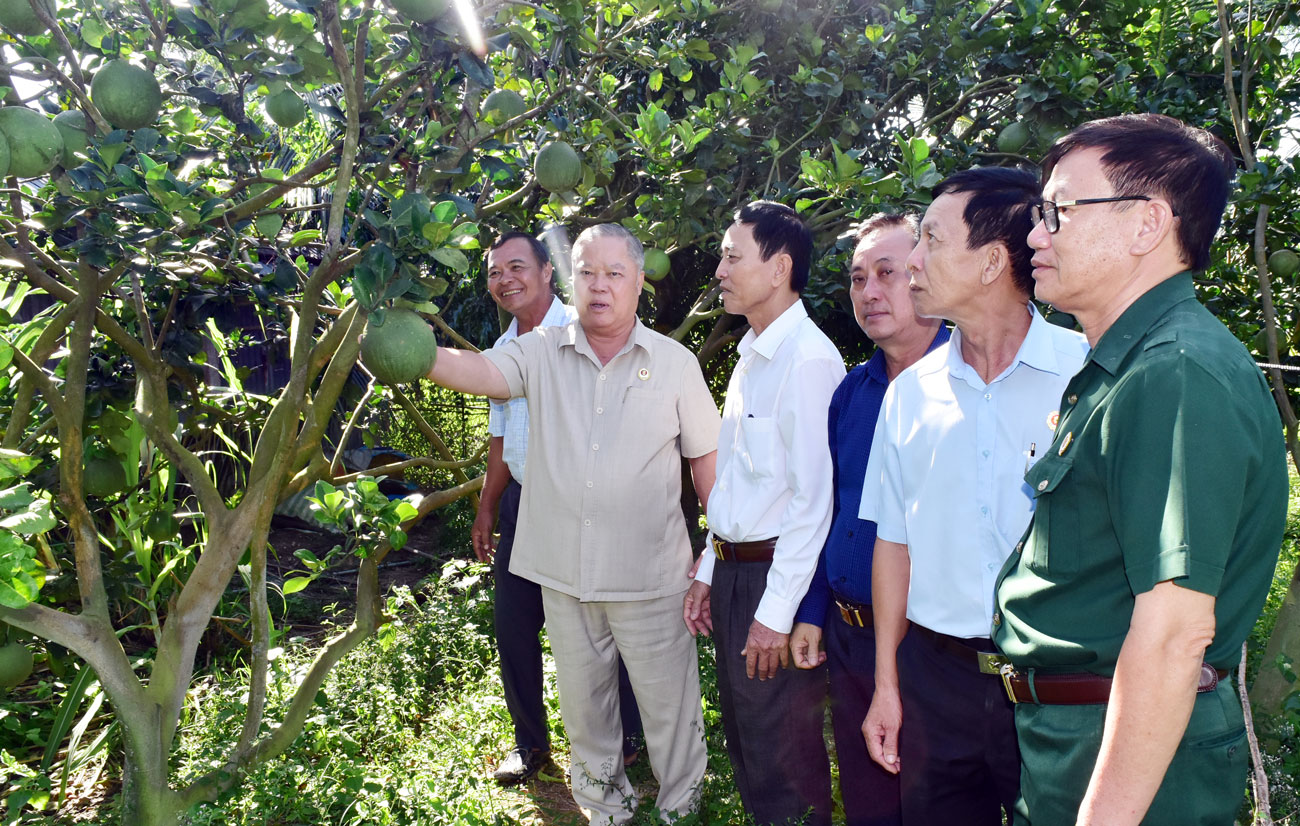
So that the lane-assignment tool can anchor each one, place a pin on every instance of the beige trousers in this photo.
(586, 639)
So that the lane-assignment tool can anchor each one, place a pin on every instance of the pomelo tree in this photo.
(275, 176)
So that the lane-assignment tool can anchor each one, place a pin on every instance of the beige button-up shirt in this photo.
(600, 518)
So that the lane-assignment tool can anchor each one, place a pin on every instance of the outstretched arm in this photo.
(468, 373)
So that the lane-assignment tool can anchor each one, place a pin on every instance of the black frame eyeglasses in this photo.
(1047, 210)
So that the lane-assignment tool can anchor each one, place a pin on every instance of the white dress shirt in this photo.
(946, 473)
(509, 419)
(774, 474)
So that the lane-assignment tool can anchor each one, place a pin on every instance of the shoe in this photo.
(520, 765)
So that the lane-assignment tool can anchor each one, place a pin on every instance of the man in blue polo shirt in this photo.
(838, 602)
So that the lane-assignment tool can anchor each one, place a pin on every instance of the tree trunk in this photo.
(1271, 686)
(147, 799)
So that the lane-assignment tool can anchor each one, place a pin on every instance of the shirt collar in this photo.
(1038, 350)
(778, 331)
(1122, 336)
(876, 368)
(574, 336)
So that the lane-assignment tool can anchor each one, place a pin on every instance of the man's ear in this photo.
(782, 269)
(1156, 225)
(997, 262)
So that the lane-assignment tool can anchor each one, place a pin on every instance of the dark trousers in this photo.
(960, 760)
(774, 726)
(519, 619)
(870, 794)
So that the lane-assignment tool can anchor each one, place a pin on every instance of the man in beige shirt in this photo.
(613, 407)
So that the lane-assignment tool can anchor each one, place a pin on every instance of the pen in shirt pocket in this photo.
(1029, 456)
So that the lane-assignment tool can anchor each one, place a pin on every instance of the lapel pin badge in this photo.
(643, 374)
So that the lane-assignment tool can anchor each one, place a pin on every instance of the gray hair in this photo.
(598, 231)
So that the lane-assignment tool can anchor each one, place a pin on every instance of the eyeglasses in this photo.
(1047, 211)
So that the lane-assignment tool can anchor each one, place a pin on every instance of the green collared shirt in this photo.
(1167, 464)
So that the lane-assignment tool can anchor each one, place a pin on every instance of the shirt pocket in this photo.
(649, 416)
(1053, 545)
(763, 452)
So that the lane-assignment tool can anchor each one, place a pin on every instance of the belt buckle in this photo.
(991, 662)
(717, 548)
(1006, 672)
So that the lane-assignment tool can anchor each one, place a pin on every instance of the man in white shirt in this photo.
(769, 514)
(944, 485)
(520, 280)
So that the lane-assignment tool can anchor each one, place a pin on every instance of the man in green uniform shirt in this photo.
(1160, 504)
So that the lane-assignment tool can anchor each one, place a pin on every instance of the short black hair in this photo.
(1001, 199)
(777, 228)
(1158, 155)
(909, 221)
(539, 249)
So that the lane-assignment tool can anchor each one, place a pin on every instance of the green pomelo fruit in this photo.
(72, 127)
(103, 476)
(16, 664)
(401, 350)
(502, 105)
(128, 96)
(656, 265)
(1013, 138)
(18, 16)
(4, 155)
(35, 145)
(1284, 263)
(160, 526)
(250, 14)
(286, 108)
(557, 167)
(420, 11)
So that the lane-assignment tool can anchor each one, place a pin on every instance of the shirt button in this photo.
(988, 396)
(986, 454)
(1073, 399)
(597, 447)
(985, 510)
(850, 534)
(588, 484)
(1019, 546)
(600, 410)
(602, 377)
(586, 522)
(1042, 485)
(997, 618)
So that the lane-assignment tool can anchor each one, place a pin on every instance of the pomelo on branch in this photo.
(399, 350)
(18, 16)
(420, 11)
(16, 664)
(557, 167)
(35, 145)
(103, 476)
(1284, 263)
(656, 264)
(128, 96)
(502, 105)
(1013, 137)
(161, 526)
(286, 108)
(72, 127)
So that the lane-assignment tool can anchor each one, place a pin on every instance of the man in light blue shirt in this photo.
(520, 280)
(981, 407)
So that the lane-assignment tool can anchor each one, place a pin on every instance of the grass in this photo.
(407, 731)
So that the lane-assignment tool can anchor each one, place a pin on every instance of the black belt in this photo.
(986, 662)
(854, 613)
(757, 551)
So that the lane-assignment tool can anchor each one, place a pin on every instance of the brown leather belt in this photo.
(854, 613)
(759, 551)
(986, 662)
(1079, 689)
